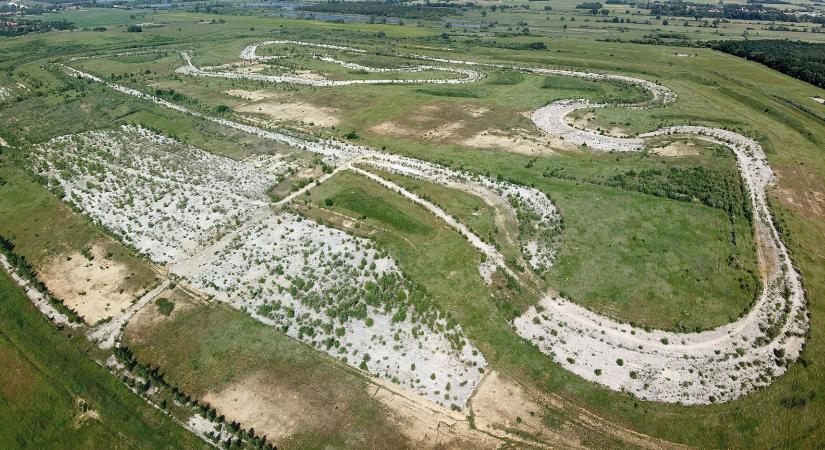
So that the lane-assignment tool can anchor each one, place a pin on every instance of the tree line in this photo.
(749, 11)
(19, 27)
(802, 60)
(427, 11)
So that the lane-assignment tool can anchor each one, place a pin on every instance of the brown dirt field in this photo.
(504, 408)
(293, 111)
(475, 111)
(253, 96)
(95, 289)
(795, 190)
(428, 425)
(272, 409)
(517, 142)
(391, 128)
(149, 316)
(445, 131)
(676, 149)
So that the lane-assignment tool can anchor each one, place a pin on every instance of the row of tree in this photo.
(427, 11)
(19, 27)
(802, 60)
(748, 11)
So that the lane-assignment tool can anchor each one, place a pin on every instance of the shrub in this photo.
(165, 306)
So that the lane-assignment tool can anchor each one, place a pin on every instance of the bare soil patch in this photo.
(272, 409)
(391, 128)
(294, 111)
(445, 131)
(253, 96)
(796, 190)
(95, 288)
(430, 426)
(518, 141)
(501, 404)
(475, 111)
(150, 316)
(676, 149)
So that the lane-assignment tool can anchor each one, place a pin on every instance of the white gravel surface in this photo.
(207, 217)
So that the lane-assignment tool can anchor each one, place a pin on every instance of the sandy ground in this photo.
(295, 111)
(429, 426)
(391, 128)
(253, 96)
(38, 299)
(676, 149)
(445, 131)
(261, 403)
(93, 288)
(518, 142)
(501, 405)
(149, 316)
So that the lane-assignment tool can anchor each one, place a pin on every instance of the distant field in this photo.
(54, 395)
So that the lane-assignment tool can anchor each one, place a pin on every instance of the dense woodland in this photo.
(18, 27)
(802, 60)
(729, 11)
(429, 11)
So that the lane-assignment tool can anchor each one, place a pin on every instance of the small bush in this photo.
(165, 306)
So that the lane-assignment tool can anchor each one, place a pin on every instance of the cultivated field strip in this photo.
(691, 368)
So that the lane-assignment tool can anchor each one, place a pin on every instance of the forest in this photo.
(19, 27)
(801, 60)
(729, 11)
(429, 11)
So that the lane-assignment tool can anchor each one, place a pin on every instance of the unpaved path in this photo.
(106, 335)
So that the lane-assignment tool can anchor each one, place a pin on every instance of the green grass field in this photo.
(53, 395)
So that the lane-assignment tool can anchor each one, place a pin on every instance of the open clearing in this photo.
(94, 287)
